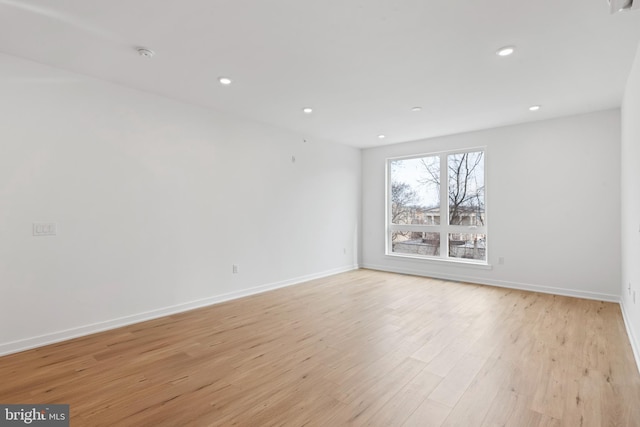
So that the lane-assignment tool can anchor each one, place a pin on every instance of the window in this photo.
(419, 224)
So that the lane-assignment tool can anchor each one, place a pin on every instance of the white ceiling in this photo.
(361, 64)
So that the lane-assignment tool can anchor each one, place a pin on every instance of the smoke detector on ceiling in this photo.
(623, 5)
(145, 53)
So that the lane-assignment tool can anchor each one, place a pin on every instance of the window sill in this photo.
(449, 262)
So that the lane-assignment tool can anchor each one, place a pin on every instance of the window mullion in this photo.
(444, 206)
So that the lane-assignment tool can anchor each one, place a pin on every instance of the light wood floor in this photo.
(361, 348)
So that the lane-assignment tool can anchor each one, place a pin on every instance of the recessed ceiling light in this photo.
(307, 110)
(224, 81)
(381, 136)
(534, 108)
(145, 53)
(506, 51)
(416, 109)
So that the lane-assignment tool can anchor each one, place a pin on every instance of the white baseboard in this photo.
(42, 340)
(501, 283)
(633, 339)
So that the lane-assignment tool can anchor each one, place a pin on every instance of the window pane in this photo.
(469, 246)
(415, 191)
(415, 243)
(466, 188)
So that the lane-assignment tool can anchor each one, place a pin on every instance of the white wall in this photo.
(631, 205)
(553, 201)
(154, 200)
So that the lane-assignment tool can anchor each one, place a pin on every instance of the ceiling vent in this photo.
(623, 5)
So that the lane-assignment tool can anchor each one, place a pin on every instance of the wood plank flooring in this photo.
(363, 348)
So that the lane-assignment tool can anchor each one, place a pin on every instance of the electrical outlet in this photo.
(344, 251)
(235, 269)
(501, 260)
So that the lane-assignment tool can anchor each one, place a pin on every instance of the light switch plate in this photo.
(45, 229)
